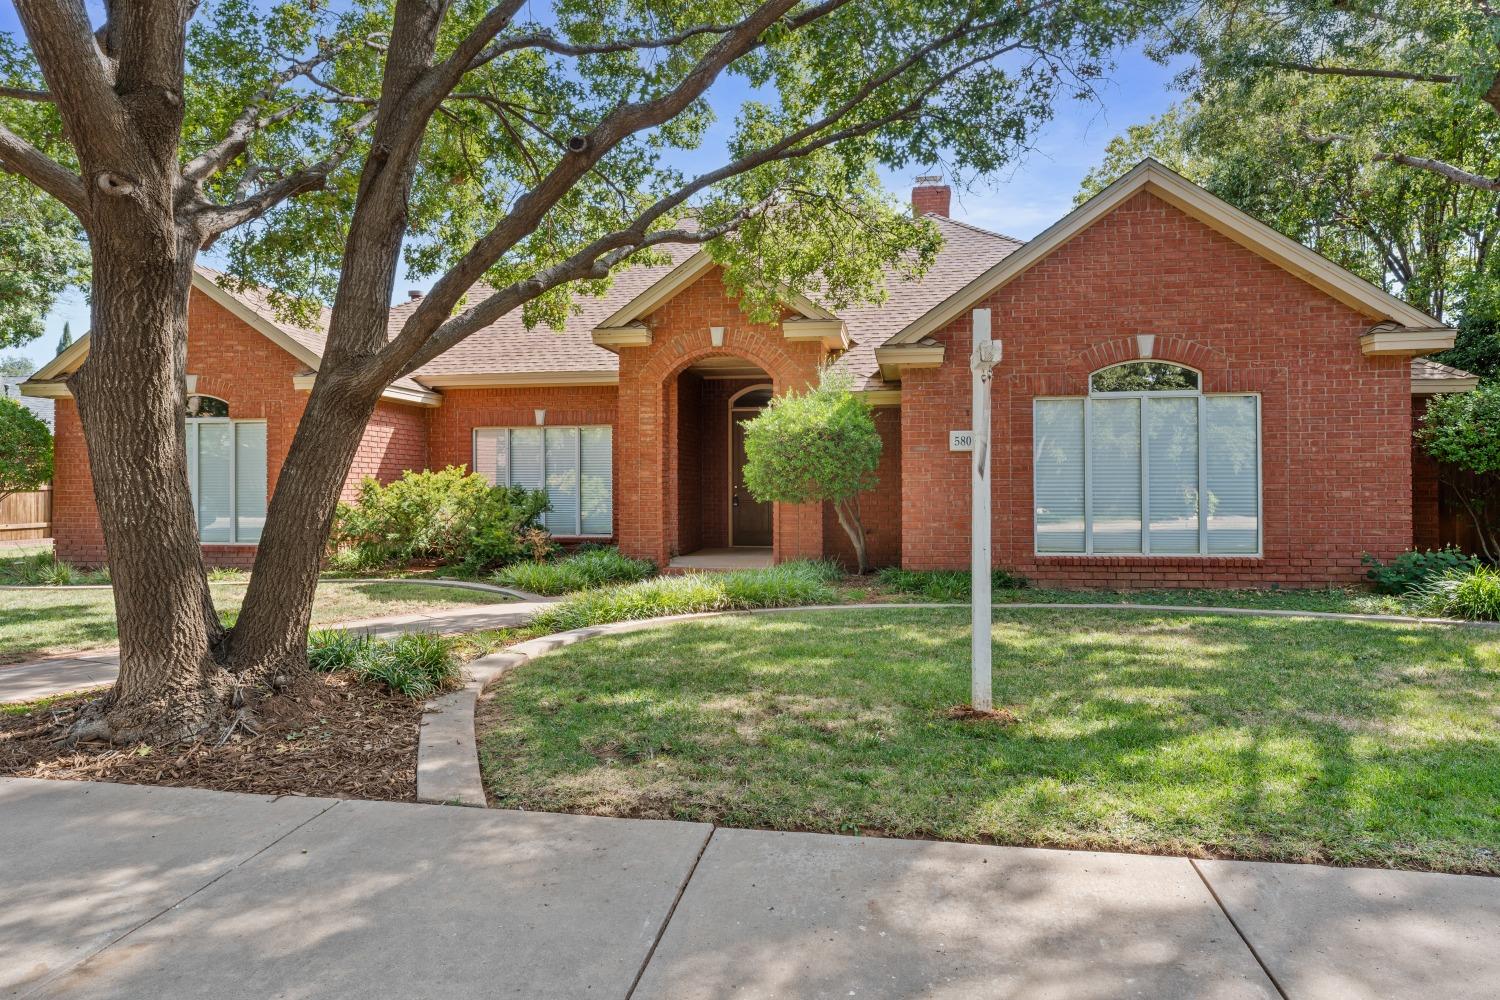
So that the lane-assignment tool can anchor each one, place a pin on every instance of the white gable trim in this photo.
(1217, 214)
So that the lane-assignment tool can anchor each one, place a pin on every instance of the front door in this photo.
(749, 519)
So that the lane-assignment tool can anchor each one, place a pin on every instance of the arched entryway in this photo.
(718, 522)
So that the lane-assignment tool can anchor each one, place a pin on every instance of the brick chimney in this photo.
(931, 196)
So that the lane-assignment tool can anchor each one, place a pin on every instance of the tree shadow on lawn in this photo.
(1268, 738)
(32, 632)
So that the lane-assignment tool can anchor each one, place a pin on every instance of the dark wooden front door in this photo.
(749, 519)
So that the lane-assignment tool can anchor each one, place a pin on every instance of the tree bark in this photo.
(848, 513)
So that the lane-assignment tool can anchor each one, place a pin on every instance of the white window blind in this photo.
(227, 477)
(1168, 472)
(1059, 475)
(573, 465)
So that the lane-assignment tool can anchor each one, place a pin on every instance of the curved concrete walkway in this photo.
(56, 675)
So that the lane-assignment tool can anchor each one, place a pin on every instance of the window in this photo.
(1122, 471)
(227, 474)
(573, 465)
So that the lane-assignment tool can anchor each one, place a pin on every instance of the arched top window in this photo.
(1144, 376)
(206, 406)
(754, 397)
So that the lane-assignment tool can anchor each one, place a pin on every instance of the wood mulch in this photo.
(330, 735)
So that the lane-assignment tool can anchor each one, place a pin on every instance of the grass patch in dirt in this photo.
(1337, 742)
(330, 735)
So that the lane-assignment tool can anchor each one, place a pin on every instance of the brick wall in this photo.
(652, 413)
(1335, 433)
(254, 376)
(450, 427)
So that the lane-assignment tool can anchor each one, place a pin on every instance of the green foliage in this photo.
(583, 570)
(1463, 429)
(786, 585)
(1409, 571)
(417, 664)
(1473, 594)
(944, 586)
(66, 340)
(1476, 348)
(14, 365)
(448, 517)
(812, 446)
(25, 449)
(44, 569)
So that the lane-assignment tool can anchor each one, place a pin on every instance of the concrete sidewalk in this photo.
(61, 674)
(112, 891)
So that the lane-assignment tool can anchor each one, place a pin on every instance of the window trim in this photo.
(577, 457)
(1088, 499)
(234, 504)
(1103, 394)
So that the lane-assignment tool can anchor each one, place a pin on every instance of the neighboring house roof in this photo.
(1429, 377)
(10, 388)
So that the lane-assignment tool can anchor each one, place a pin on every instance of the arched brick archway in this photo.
(661, 412)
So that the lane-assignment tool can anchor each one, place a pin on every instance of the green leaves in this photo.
(812, 446)
(25, 449)
(1463, 429)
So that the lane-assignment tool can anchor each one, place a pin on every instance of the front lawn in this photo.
(1288, 739)
(44, 621)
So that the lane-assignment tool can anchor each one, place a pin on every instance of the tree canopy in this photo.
(25, 449)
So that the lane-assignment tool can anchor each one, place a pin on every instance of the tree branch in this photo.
(17, 156)
(214, 220)
(1313, 69)
(25, 94)
(1457, 175)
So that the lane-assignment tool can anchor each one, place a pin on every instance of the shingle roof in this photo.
(10, 388)
(1426, 368)
(507, 347)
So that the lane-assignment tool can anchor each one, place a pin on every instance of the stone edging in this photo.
(448, 751)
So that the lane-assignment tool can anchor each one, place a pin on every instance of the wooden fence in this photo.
(26, 515)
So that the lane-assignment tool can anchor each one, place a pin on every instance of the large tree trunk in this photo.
(131, 404)
(269, 639)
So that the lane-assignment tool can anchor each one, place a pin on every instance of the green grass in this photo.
(40, 567)
(596, 567)
(36, 623)
(787, 585)
(1288, 739)
(941, 586)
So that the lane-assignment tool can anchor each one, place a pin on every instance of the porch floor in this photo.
(739, 557)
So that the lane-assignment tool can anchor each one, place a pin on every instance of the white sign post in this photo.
(986, 355)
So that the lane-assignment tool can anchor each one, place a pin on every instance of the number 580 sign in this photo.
(960, 440)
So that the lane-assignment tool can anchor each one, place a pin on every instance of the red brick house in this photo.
(1160, 347)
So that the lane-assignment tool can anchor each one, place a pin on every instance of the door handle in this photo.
(735, 500)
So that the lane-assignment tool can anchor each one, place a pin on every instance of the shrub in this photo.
(816, 446)
(1462, 431)
(1473, 594)
(25, 449)
(787, 585)
(417, 664)
(1411, 570)
(43, 569)
(945, 586)
(449, 517)
(583, 570)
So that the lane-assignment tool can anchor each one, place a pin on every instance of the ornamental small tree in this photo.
(1462, 431)
(816, 446)
(25, 449)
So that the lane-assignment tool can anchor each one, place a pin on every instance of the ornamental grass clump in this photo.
(788, 585)
(417, 664)
(1473, 595)
(583, 570)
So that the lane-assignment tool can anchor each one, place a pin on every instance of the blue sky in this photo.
(1020, 201)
